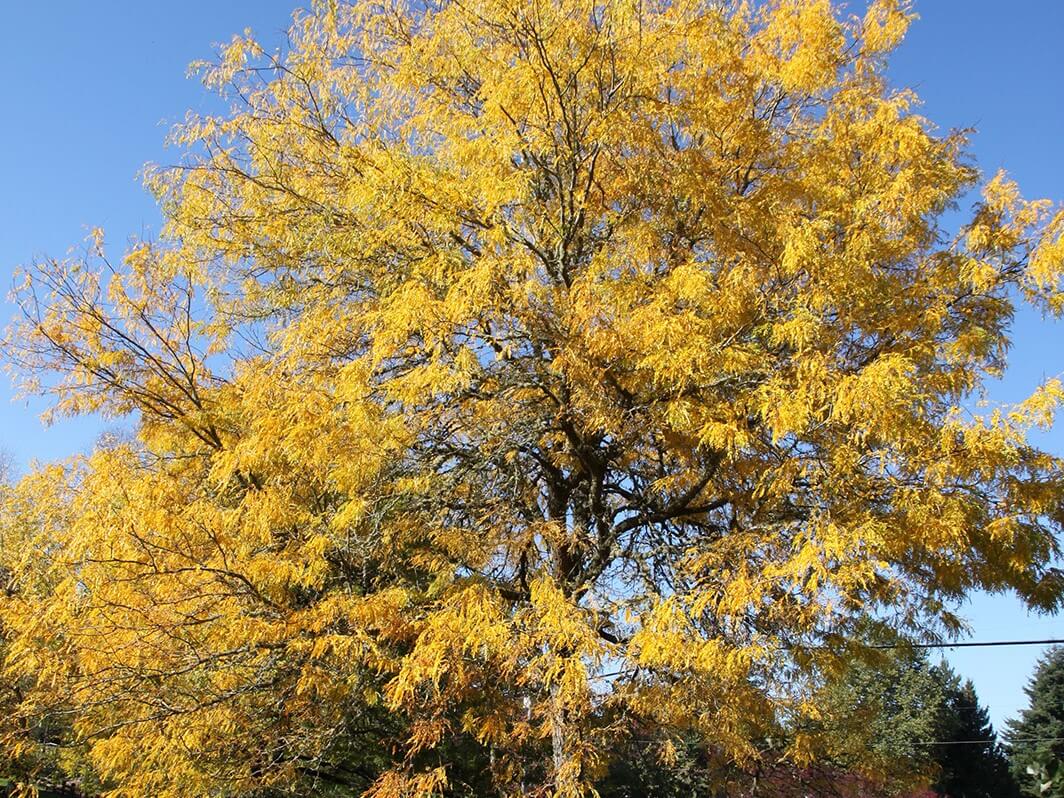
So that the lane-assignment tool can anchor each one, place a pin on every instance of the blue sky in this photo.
(92, 87)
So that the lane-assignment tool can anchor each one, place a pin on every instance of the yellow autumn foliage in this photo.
(510, 372)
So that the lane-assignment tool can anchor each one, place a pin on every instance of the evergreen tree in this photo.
(880, 715)
(903, 720)
(971, 762)
(1036, 738)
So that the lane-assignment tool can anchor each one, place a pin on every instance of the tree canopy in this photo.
(510, 376)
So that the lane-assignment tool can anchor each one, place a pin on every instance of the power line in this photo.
(1052, 641)
(974, 644)
(995, 741)
(990, 742)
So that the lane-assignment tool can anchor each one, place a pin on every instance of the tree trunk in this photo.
(557, 738)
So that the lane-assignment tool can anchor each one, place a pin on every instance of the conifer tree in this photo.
(970, 761)
(1036, 738)
(881, 713)
(915, 724)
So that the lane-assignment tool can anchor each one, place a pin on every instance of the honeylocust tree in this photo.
(512, 375)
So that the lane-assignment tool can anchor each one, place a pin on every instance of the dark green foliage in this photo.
(907, 718)
(1036, 738)
(640, 771)
(881, 713)
(970, 761)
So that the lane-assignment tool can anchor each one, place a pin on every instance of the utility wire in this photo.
(650, 741)
(975, 644)
(1052, 641)
(990, 742)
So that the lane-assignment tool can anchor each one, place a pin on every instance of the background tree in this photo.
(971, 763)
(880, 714)
(1035, 739)
(519, 374)
(38, 749)
(899, 720)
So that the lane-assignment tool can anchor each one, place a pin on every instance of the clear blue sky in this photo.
(91, 88)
